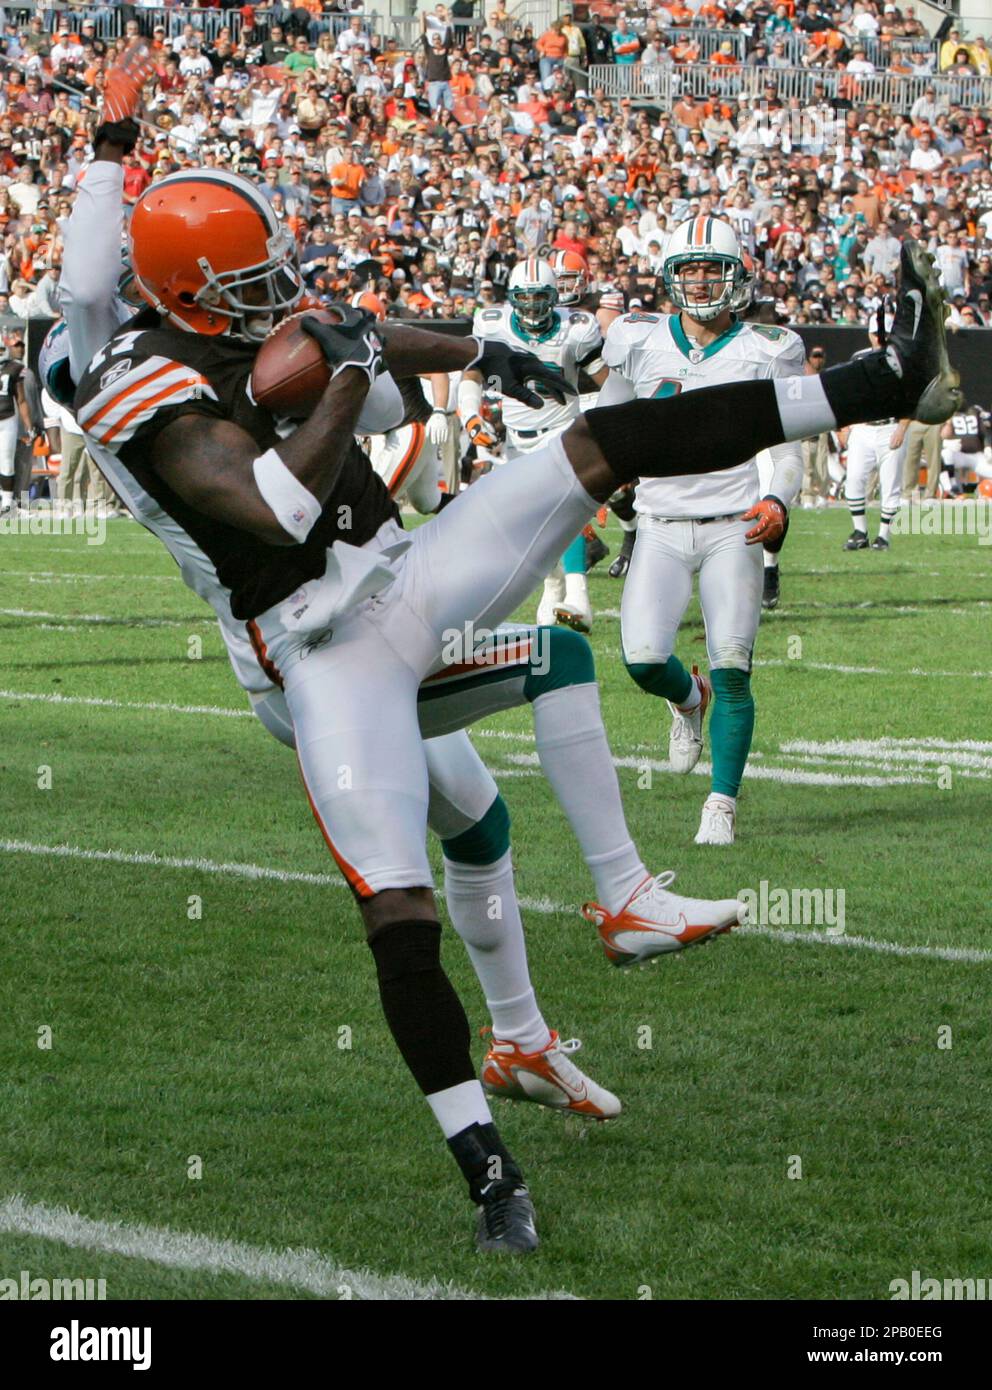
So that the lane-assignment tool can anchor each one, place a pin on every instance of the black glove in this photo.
(509, 372)
(354, 342)
(124, 134)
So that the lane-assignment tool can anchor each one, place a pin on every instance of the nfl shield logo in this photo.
(695, 355)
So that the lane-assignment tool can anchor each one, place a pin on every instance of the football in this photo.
(290, 371)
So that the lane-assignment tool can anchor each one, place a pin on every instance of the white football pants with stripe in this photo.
(352, 687)
(868, 449)
(409, 464)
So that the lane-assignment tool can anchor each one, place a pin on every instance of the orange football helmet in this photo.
(209, 253)
(572, 275)
(371, 303)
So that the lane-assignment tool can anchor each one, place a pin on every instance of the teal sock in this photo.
(574, 559)
(667, 679)
(731, 727)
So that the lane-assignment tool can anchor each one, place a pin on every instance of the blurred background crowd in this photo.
(423, 154)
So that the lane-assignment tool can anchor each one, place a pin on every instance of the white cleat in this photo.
(655, 922)
(685, 741)
(548, 1077)
(554, 594)
(716, 825)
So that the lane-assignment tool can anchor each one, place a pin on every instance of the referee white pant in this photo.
(869, 448)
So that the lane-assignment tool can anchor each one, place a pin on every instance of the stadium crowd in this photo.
(426, 161)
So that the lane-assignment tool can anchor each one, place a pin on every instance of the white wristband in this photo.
(294, 506)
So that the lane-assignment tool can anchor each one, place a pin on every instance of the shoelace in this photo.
(497, 1214)
(658, 885)
(566, 1069)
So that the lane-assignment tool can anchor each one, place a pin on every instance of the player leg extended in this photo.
(352, 701)
(655, 597)
(526, 1060)
(730, 595)
(552, 669)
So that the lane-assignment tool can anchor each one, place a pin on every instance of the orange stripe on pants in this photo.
(406, 463)
(354, 879)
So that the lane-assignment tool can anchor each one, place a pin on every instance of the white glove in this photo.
(437, 429)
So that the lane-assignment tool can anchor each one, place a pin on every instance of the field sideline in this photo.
(803, 1110)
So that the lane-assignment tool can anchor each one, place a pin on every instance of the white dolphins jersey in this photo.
(653, 354)
(574, 340)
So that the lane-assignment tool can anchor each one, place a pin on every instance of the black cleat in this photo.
(857, 540)
(770, 592)
(595, 551)
(879, 543)
(917, 343)
(621, 564)
(506, 1219)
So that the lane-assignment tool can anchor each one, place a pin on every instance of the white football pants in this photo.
(868, 448)
(659, 585)
(352, 689)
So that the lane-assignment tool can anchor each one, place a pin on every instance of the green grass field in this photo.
(771, 1053)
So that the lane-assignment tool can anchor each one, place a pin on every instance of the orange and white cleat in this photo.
(655, 922)
(548, 1077)
(685, 741)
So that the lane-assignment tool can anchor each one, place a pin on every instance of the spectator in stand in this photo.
(347, 177)
(575, 40)
(626, 45)
(552, 47)
(437, 68)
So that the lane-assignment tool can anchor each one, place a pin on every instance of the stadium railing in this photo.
(661, 85)
(109, 19)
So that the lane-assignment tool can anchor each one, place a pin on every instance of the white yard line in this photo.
(524, 761)
(55, 576)
(877, 670)
(95, 702)
(543, 906)
(792, 776)
(306, 1270)
(164, 861)
(904, 751)
(960, 954)
(97, 618)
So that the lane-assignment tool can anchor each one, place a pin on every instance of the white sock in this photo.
(722, 797)
(803, 407)
(482, 903)
(693, 700)
(771, 561)
(577, 590)
(575, 758)
(460, 1106)
(6, 497)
